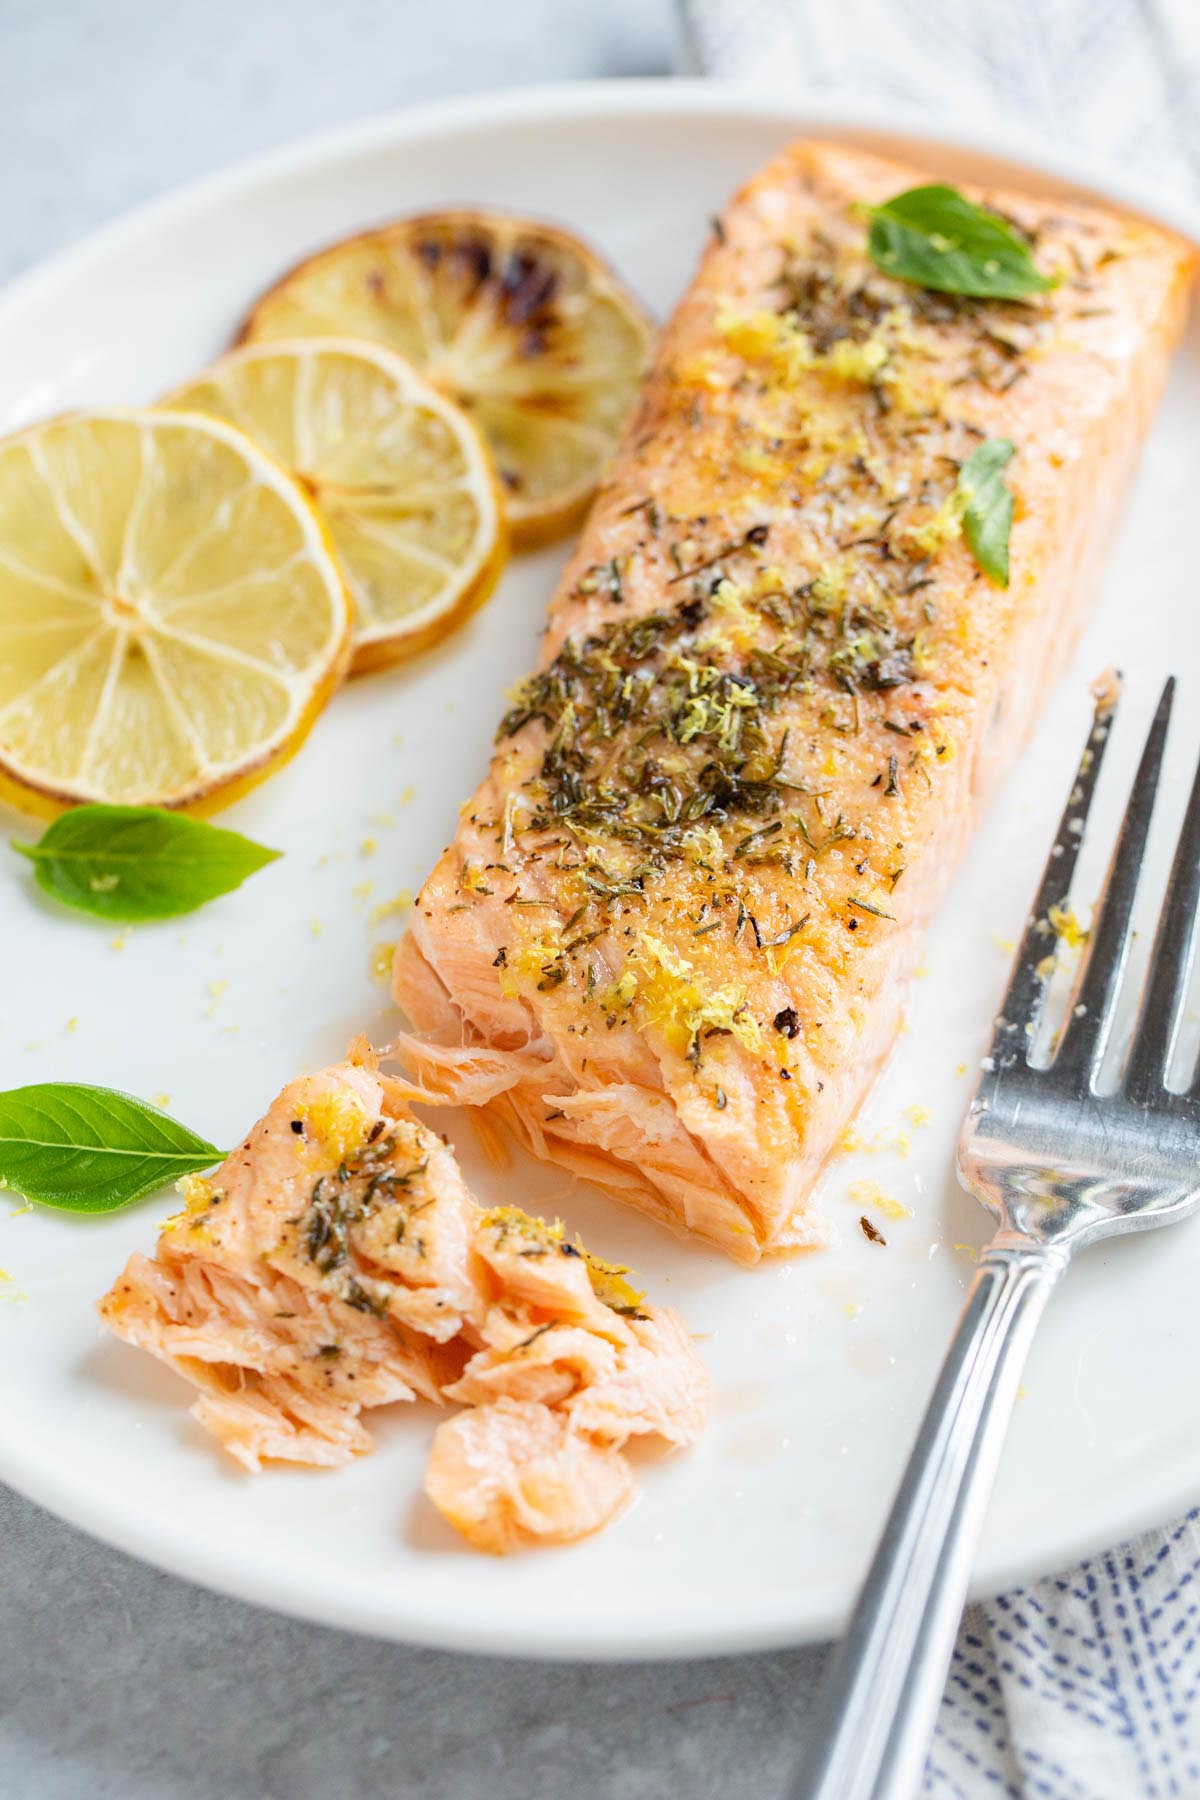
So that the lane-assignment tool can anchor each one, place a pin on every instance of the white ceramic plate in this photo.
(819, 1367)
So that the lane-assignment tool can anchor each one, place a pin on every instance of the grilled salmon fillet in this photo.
(670, 943)
(336, 1262)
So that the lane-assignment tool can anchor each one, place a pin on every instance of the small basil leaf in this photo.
(130, 863)
(91, 1149)
(936, 238)
(988, 506)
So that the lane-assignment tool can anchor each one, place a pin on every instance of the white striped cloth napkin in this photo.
(1087, 1686)
(1120, 78)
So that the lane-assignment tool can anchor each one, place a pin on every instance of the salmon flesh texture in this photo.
(670, 943)
(336, 1262)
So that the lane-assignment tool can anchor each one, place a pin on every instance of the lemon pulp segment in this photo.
(401, 479)
(520, 322)
(171, 616)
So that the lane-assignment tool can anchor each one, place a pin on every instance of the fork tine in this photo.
(1022, 1004)
(1161, 1007)
(1093, 999)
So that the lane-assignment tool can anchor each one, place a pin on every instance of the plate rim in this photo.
(863, 117)
(863, 114)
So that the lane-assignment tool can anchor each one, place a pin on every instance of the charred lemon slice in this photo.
(520, 323)
(172, 617)
(400, 476)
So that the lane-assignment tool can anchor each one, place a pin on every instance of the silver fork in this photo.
(1061, 1165)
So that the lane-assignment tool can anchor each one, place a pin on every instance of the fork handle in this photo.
(870, 1729)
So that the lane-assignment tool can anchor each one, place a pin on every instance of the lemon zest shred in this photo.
(609, 1284)
(673, 998)
(830, 585)
(739, 625)
(781, 340)
(390, 909)
(703, 844)
(526, 965)
(10, 1293)
(514, 1221)
(196, 1192)
(870, 1194)
(1067, 928)
(943, 527)
(339, 1123)
(619, 997)
(382, 957)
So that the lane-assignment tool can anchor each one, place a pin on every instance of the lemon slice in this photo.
(522, 324)
(172, 618)
(401, 478)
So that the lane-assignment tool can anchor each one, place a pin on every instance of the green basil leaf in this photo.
(988, 506)
(91, 1149)
(130, 863)
(936, 238)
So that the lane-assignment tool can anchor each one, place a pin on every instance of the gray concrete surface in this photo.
(116, 1682)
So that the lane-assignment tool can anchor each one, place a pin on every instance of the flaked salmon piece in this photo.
(281, 1421)
(264, 1322)
(341, 1189)
(670, 943)
(549, 1363)
(257, 1352)
(572, 1365)
(570, 1330)
(533, 1268)
(652, 1384)
(514, 1473)
(658, 1389)
(336, 1262)
(285, 1290)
